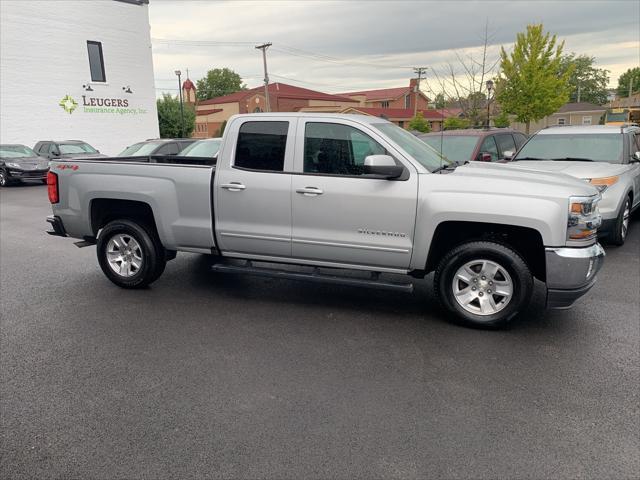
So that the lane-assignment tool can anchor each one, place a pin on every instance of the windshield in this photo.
(16, 151)
(457, 148)
(595, 147)
(141, 149)
(76, 148)
(420, 151)
(202, 148)
(617, 117)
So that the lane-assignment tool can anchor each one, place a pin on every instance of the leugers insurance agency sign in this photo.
(98, 104)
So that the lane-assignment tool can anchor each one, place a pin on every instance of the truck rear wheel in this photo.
(484, 284)
(130, 254)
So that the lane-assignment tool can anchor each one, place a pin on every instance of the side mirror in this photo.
(484, 157)
(508, 155)
(635, 157)
(383, 166)
(55, 153)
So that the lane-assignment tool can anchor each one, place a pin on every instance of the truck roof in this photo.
(587, 129)
(341, 116)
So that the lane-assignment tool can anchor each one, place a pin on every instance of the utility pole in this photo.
(264, 47)
(419, 71)
(578, 99)
(178, 73)
(630, 85)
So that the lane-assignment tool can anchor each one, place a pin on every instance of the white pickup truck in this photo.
(337, 194)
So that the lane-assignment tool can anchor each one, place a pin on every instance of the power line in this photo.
(281, 48)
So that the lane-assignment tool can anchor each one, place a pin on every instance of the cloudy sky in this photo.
(338, 46)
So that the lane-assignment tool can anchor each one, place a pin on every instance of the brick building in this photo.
(401, 116)
(396, 98)
(210, 114)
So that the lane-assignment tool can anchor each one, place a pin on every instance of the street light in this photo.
(489, 88)
(178, 73)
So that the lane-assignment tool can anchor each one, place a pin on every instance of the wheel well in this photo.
(526, 241)
(105, 210)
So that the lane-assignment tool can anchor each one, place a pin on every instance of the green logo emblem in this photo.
(68, 104)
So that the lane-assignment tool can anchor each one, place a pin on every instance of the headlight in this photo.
(584, 219)
(13, 165)
(602, 183)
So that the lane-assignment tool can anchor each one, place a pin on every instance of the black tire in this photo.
(507, 259)
(4, 181)
(149, 250)
(619, 234)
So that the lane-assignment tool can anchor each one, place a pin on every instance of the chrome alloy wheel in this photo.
(124, 255)
(482, 287)
(625, 219)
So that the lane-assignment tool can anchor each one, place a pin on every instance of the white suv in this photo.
(606, 156)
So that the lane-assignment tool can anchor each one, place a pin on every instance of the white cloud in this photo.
(380, 34)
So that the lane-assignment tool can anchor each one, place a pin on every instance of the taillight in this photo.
(52, 187)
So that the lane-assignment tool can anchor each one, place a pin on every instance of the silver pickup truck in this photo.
(346, 198)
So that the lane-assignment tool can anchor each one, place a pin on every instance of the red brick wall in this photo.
(289, 104)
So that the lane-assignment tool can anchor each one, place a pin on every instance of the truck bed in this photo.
(177, 190)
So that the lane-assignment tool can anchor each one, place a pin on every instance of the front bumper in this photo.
(14, 174)
(571, 272)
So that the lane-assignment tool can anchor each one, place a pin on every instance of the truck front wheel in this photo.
(484, 284)
(129, 254)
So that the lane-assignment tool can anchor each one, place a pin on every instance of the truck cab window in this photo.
(261, 146)
(337, 149)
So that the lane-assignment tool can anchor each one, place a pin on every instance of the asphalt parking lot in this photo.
(215, 376)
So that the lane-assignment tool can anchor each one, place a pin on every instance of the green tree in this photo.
(218, 82)
(169, 118)
(532, 84)
(586, 82)
(455, 123)
(439, 101)
(419, 124)
(631, 75)
(502, 120)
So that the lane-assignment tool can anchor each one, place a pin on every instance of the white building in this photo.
(78, 70)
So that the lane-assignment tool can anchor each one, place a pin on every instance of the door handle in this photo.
(309, 191)
(233, 186)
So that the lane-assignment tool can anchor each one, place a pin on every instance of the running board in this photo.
(317, 277)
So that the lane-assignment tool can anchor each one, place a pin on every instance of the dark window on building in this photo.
(505, 143)
(96, 61)
(384, 104)
(407, 101)
(261, 146)
(337, 149)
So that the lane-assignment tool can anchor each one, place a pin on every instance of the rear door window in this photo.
(505, 143)
(168, 149)
(520, 139)
(489, 146)
(261, 146)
